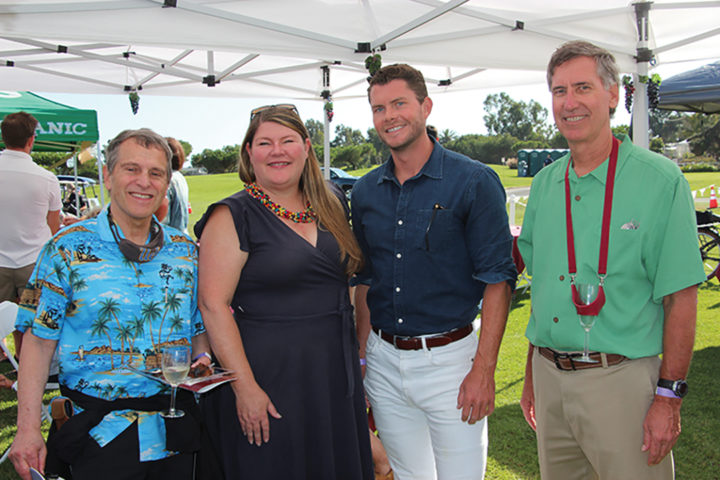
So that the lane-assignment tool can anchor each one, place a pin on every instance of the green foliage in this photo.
(525, 121)
(218, 161)
(447, 136)
(557, 140)
(352, 157)
(345, 136)
(56, 162)
(667, 124)
(484, 148)
(187, 148)
(657, 145)
(621, 130)
(706, 137)
(700, 167)
(382, 152)
(50, 160)
(316, 130)
(529, 144)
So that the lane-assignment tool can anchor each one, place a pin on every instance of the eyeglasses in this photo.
(283, 106)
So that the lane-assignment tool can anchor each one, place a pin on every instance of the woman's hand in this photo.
(253, 406)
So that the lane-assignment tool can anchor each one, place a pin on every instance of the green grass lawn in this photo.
(206, 189)
(512, 451)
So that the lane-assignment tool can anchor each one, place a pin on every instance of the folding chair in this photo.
(8, 312)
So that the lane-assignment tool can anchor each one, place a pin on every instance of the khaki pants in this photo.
(589, 422)
(13, 281)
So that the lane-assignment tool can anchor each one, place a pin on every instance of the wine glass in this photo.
(588, 292)
(175, 367)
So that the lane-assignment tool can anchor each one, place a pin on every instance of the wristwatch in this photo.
(679, 388)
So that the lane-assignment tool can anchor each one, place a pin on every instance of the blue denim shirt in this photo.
(431, 244)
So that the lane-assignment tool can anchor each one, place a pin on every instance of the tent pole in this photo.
(326, 121)
(77, 192)
(640, 119)
(100, 174)
(326, 144)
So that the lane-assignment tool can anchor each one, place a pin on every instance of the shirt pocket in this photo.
(437, 229)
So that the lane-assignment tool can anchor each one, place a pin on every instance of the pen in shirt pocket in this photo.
(436, 207)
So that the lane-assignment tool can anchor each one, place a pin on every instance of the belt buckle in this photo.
(559, 366)
(402, 338)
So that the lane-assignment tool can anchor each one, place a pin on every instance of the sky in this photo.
(216, 122)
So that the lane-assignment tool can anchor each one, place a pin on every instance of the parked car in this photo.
(342, 179)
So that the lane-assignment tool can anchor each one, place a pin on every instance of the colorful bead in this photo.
(307, 216)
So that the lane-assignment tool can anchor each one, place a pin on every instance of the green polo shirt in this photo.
(653, 251)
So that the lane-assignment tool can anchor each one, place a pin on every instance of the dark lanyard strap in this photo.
(593, 308)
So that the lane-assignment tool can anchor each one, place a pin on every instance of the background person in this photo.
(433, 229)
(110, 292)
(178, 194)
(31, 200)
(613, 419)
(297, 408)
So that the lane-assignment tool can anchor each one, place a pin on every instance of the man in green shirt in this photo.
(619, 416)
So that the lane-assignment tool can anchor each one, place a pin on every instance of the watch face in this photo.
(681, 388)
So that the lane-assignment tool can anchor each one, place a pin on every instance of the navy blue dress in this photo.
(292, 309)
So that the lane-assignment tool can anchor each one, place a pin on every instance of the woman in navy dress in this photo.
(275, 259)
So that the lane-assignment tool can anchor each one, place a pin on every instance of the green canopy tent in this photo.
(61, 128)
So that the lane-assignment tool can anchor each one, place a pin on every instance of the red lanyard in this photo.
(594, 307)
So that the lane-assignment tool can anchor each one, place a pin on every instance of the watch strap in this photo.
(666, 392)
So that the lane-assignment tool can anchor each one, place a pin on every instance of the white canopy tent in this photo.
(302, 48)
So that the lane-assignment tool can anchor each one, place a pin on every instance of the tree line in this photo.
(511, 125)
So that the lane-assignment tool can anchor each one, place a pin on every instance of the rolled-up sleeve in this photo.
(488, 232)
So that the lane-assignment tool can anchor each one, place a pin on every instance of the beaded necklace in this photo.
(306, 216)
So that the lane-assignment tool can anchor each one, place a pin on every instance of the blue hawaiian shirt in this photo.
(107, 313)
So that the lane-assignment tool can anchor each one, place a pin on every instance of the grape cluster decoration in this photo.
(329, 110)
(629, 92)
(373, 64)
(134, 102)
(653, 90)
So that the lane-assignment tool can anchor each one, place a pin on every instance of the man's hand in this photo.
(477, 396)
(527, 403)
(661, 428)
(28, 450)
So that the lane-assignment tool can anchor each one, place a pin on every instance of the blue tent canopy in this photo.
(697, 90)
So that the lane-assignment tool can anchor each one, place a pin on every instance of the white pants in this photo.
(413, 394)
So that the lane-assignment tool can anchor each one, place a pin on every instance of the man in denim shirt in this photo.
(434, 233)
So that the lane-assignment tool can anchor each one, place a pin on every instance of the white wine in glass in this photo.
(588, 292)
(175, 367)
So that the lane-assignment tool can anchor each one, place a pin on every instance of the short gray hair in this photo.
(143, 136)
(607, 68)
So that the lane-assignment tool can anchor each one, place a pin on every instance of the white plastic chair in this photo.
(8, 312)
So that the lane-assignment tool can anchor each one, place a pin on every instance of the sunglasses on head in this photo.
(285, 106)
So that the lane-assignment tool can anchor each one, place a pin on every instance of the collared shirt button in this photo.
(400, 320)
(562, 277)
(556, 320)
(397, 289)
(400, 222)
(398, 255)
(577, 198)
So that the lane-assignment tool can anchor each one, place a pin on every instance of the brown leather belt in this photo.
(566, 361)
(431, 341)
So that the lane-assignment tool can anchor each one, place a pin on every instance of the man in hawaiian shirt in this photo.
(109, 293)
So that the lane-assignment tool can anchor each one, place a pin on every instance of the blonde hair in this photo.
(330, 213)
